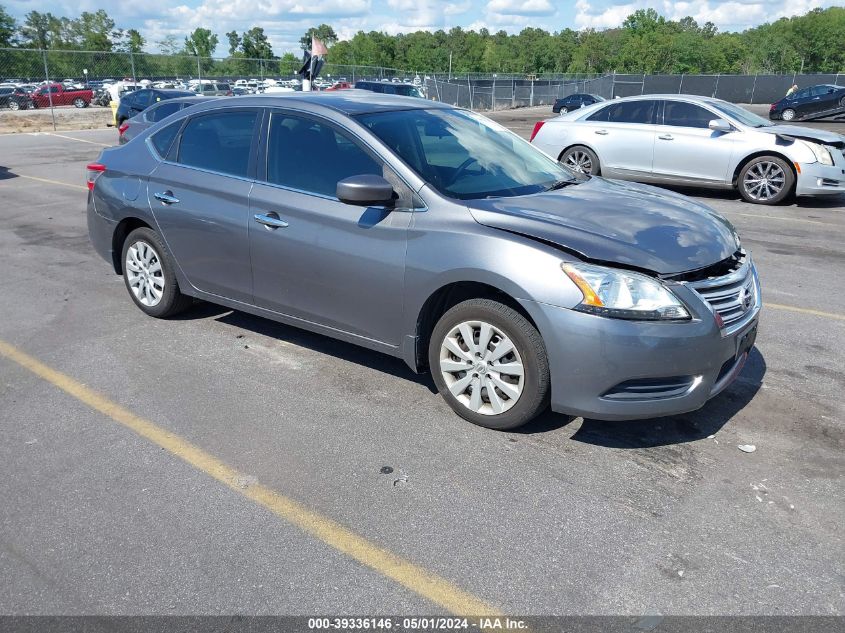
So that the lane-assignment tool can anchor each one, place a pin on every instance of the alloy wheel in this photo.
(764, 180)
(144, 274)
(788, 115)
(579, 161)
(14, 105)
(482, 367)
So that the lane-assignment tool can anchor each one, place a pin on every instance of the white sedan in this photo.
(696, 141)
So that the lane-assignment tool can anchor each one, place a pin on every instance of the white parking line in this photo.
(81, 140)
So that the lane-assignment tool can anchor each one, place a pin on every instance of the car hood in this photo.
(809, 133)
(611, 221)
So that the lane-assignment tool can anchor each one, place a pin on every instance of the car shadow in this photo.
(652, 432)
(316, 342)
(804, 202)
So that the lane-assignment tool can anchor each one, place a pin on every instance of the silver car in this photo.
(696, 141)
(434, 235)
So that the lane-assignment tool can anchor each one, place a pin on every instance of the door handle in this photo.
(270, 220)
(666, 137)
(602, 132)
(166, 197)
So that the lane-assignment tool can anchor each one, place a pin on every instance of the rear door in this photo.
(622, 134)
(686, 148)
(824, 97)
(200, 198)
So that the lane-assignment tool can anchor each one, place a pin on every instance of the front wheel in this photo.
(79, 102)
(148, 272)
(490, 365)
(788, 114)
(14, 105)
(564, 110)
(765, 180)
(581, 159)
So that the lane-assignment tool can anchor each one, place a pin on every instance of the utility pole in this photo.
(450, 65)
(49, 91)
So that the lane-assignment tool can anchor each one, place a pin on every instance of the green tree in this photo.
(201, 43)
(234, 42)
(8, 28)
(324, 33)
(93, 31)
(134, 42)
(37, 29)
(255, 44)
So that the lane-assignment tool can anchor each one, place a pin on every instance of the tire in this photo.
(79, 102)
(153, 261)
(14, 105)
(563, 110)
(765, 180)
(581, 159)
(523, 397)
(788, 114)
(842, 102)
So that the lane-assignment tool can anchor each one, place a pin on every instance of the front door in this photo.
(685, 148)
(200, 201)
(314, 257)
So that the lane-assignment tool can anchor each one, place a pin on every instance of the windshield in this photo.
(742, 115)
(464, 155)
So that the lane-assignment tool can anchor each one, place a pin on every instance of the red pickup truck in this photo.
(60, 95)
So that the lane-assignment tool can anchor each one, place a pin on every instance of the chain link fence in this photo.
(477, 91)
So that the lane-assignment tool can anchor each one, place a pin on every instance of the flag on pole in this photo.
(317, 47)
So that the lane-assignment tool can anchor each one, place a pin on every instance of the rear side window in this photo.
(681, 114)
(640, 111)
(311, 156)
(164, 110)
(163, 139)
(219, 142)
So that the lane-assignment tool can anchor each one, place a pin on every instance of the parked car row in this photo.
(432, 234)
(696, 141)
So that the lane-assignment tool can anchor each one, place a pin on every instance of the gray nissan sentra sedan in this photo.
(435, 235)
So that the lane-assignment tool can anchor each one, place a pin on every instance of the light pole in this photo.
(85, 72)
(450, 65)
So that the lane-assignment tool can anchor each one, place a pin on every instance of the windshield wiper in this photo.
(559, 184)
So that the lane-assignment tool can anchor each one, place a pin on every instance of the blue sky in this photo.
(286, 20)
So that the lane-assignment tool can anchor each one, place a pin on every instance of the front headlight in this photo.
(820, 152)
(623, 295)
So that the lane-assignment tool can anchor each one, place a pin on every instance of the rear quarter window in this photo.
(162, 140)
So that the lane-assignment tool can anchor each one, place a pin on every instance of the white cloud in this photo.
(520, 7)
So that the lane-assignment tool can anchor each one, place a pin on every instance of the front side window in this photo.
(682, 114)
(464, 155)
(311, 156)
(219, 142)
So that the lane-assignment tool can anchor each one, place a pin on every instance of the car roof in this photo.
(676, 97)
(186, 99)
(172, 91)
(348, 102)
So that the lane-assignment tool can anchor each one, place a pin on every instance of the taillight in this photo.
(92, 172)
(536, 129)
(773, 106)
(123, 127)
(229, 94)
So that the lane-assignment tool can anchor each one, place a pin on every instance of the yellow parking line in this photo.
(52, 182)
(819, 313)
(81, 140)
(422, 582)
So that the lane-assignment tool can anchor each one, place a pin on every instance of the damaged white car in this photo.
(696, 141)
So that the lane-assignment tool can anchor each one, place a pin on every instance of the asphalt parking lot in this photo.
(221, 463)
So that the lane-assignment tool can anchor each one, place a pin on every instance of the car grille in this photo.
(733, 295)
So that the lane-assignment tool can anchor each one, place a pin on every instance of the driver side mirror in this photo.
(365, 190)
(719, 125)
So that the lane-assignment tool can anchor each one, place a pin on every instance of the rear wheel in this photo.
(581, 159)
(489, 363)
(14, 105)
(79, 102)
(148, 272)
(765, 180)
(788, 114)
(564, 110)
